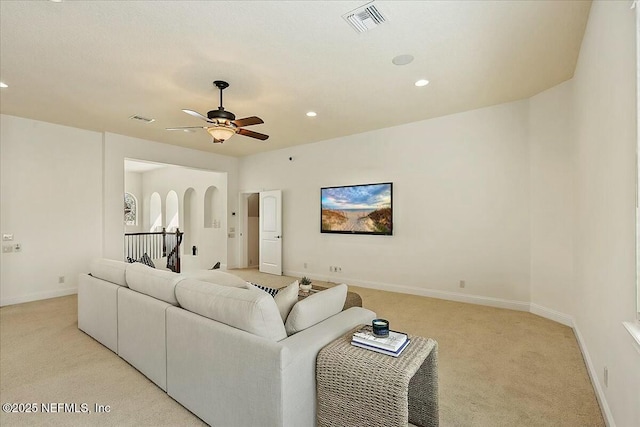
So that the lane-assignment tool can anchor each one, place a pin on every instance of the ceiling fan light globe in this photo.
(221, 133)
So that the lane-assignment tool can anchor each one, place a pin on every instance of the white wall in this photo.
(604, 105)
(51, 192)
(460, 196)
(551, 137)
(118, 147)
(61, 196)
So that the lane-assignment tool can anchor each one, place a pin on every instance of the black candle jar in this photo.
(380, 327)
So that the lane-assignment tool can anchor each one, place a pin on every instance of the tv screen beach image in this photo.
(357, 209)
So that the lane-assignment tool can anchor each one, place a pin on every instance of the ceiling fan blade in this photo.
(186, 128)
(247, 121)
(253, 134)
(198, 115)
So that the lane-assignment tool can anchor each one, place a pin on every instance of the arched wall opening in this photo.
(155, 213)
(173, 217)
(212, 208)
(190, 220)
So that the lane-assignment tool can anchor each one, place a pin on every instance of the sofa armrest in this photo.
(98, 310)
(311, 340)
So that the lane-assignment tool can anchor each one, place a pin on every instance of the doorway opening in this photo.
(250, 234)
(261, 221)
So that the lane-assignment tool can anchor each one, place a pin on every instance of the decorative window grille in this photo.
(130, 209)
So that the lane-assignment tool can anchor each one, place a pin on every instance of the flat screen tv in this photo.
(357, 209)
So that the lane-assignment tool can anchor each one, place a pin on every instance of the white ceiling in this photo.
(93, 64)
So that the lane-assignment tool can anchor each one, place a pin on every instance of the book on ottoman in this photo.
(391, 345)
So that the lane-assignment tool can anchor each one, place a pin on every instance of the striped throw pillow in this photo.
(144, 259)
(268, 290)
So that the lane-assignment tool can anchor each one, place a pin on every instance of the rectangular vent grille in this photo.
(142, 119)
(364, 18)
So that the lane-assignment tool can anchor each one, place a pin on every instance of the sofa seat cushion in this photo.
(110, 270)
(316, 308)
(155, 283)
(216, 277)
(250, 311)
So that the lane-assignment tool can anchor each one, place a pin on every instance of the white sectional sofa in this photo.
(216, 347)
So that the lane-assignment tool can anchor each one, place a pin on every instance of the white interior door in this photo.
(271, 232)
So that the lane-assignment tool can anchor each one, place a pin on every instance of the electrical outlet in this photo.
(339, 269)
(305, 265)
(606, 377)
(17, 247)
(61, 279)
(7, 237)
(462, 283)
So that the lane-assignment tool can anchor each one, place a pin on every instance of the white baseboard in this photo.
(550, 314)
(431, 293)
(38, 296)
(602, 399)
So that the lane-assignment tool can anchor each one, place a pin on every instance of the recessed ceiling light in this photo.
(311, 114)
(421, 83)
(402, 59)
(3, 85)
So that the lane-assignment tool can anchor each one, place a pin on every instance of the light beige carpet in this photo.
(497, 367)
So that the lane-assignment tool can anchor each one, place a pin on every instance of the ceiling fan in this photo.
(222, 124)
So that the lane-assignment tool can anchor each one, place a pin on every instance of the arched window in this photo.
(130, 209)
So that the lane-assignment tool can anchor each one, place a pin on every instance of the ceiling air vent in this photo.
(142, 119)
(364, 18)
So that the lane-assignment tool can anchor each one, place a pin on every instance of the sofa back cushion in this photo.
(316, 308)
(159, 284)
(250, 311)
(215, 276)
(110, 270)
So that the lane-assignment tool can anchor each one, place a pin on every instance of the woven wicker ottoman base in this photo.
(358, 387)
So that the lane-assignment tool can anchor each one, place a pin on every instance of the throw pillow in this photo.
(271, 291)
(144, 259)
(316, 308)
(286, 298)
